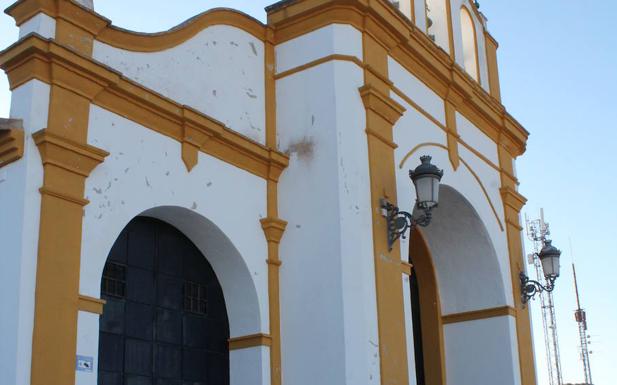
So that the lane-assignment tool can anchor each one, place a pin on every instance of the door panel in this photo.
(165, 320)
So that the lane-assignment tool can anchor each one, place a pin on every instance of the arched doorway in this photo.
(459, 309)
(426, 314)
(165, 321)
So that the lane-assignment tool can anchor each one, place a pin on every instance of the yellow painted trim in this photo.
(101, 29)
(490, 46)
(408, 46)
(452, 135)
(402, 95)
(479, 315)
(317, 62)
(405, 43)
(250, 341)
(406, 268)
(11, 141)
(35, 58)
(513, 202)
(91, 304)
(462, 142)
(152, 42)
(467, 166)
(382, 112)
(274, 229)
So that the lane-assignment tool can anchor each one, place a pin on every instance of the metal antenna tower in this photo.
(538, 232)
(581, 319)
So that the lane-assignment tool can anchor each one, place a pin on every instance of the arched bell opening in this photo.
(165, 320)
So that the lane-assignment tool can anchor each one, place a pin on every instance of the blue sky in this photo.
(558, 67)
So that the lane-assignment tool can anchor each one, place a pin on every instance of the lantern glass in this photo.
(427, 191)
(426, 178)
(549, 256)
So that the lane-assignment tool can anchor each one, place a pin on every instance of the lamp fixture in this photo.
(426, 178)
(549, 257)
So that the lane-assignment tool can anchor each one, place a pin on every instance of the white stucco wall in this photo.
(20, 203)
(41, 24)
(328, 317)
(144, 174)
(341, 39)
(417, 91)
(219, 71)
(477, 353)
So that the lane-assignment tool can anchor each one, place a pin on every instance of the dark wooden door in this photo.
(165, 321)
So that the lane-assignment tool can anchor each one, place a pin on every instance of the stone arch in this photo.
(464, 317)
(229, 266)
(466, 265)
(241, 294)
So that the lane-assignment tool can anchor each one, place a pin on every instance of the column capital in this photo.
(273, 228)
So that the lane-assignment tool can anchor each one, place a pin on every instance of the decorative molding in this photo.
(479, 315)
(273, 228)
(67, 154)
(513, 199)
(90, 304)
(453, 137)
(383, 105)
(12, 141)
(35, 58)
(250, 341)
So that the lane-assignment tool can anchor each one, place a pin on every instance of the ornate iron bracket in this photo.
(529, 287)
(398, 222)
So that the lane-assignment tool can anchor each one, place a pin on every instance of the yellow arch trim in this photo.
(475, 175)
(152, 42)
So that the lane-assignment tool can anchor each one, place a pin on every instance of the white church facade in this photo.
(205, 205)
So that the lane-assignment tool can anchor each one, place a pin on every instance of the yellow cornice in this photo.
(67, 154)
(382, 105)
(150, 42)
(11, 141)
(512, 198)
(36, 58)
(101, 28)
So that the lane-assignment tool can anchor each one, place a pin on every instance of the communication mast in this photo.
(538, 232)
(581, 319)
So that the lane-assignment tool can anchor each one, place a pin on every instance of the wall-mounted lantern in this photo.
(549, 257)
(426, 178)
